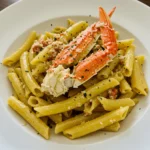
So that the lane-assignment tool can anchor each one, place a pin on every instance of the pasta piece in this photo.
(74, 30)
(110, 104)
(97, 124)
(118, 76)
(73, 92)
(17, 85)
(125, 87)
(70, 22)
(77, 100)
(140, 58)
(136, 102)
(117, 34)
(138, 82)
(27, 76)
(130, 94)
(11, 70)
(14, 94)
(19, 73)
(112, 128)
(29, 116)
(106, 71)
(36, 101)
(91, 82)
(52, 35)
(40, 68)
(128, 62)
(91, 105)
(123, 44)
(25, 47)
(59, 30)
(43, 55)
(69, 123)
(67, 114)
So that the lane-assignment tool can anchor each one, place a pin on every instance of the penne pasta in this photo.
(130, 94)
(27, 76)
(74, 30)
(29, 116)
(79, 99)
(19, 73)
(138, 82)
(43, 55)
(18, 86)
(123, 44)
(140, 58)
(107, 70)
(58, 29)
(77, 120)
(70, 22)
(128, 62)
(112, 128)
(97, 124)
(25, 47)
(125, 87)
(91, 105)
(36, 101)
(110, 105)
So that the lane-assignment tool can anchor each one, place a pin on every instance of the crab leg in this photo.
(77, 49)
(95, 62)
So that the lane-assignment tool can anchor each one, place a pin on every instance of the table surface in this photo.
(5, 3)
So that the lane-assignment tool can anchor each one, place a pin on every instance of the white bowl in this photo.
(16, 21)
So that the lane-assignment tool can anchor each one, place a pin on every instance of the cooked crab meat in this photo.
(57, 81)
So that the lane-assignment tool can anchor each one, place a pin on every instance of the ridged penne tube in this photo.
(18, 86)
(74, 30)
(140, 58)
(27, 76)
(91, 105)
(43, 55)
(19, 73)
(34, 101)
(10, 70)
(130, 94)
(97, 124)
(91, 82)
(79, 99)
(128, 62)
(106, 71)
(52, 35)
(73, 92)
(25, 112)
(40, 68)
(118, 76)
(58, 29)
(125, 87)
(123, 44)
(112, 128)
(69, 123)
(70, 22)
(138, 82)
(110, 105)
(25, 47)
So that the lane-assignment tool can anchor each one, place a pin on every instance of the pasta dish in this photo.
(79, 78)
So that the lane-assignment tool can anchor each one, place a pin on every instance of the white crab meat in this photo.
(57, 82)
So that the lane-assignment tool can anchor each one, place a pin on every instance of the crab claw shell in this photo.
(89, 67)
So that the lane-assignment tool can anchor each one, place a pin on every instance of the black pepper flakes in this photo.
(51, 25)
(26, 71)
